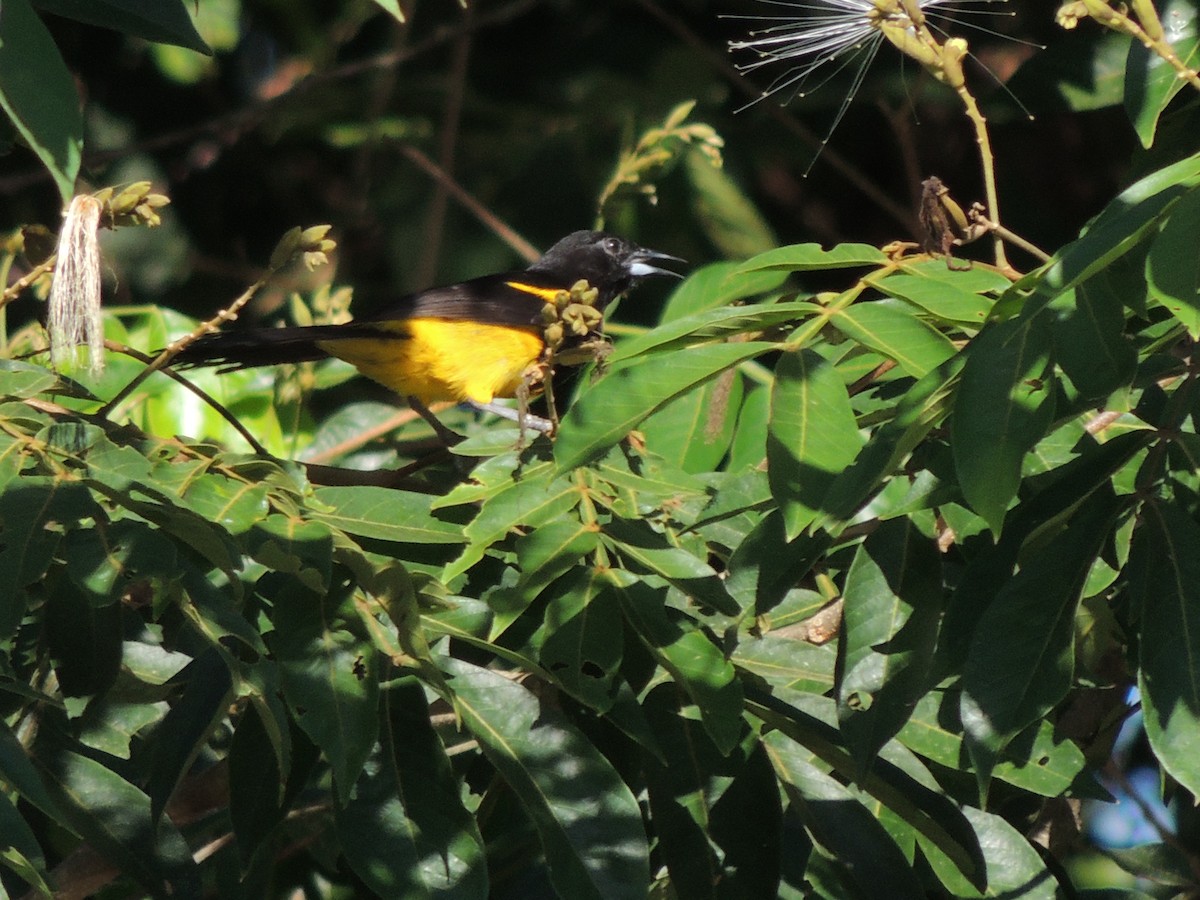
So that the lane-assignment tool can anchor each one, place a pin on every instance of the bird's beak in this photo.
(641, 263)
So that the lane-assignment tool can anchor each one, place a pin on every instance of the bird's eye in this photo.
(612, 245)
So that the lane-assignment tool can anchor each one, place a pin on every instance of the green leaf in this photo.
(1089, 339)
(19, 774)
(1082, 70)
(1165, 581)
(22, 379)
(606, 412)
(186, 729)
(698, 802)
(1159, 863)
(640, 544)
(695, 663)
(581, 639)
(1124, 224)
(108, 561)
(1036, 760)
(329, 676)
(392, 7)
(710, 286)
(20, 851)
(406, 832)
(296, 547)
(749, 447)
(893, 601)
(160, 21)
(723, 211)
(1169, 180)
(543, 555)
(114, 817)
(1150, 81)
(1172, 268)
(895, 332)
(27, 546)
(897, 780)
(951, 295)
(255, 784)
(528, 503)
(83, 634)
(587, 819)
(234, 505)
(846, 830)
(766, 566)
(812, 437)
(1000, 411)
(384, 514)
(693, 432)
(37, 93)
(923, 407)
(1021, 658)
(1014, 868)
(1046, 512)
(806, 257)
(111, 726)
(787, 663)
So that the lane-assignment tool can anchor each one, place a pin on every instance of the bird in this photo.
(473, 341)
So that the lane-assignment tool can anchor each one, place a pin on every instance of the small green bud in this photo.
(314, 235)
(286, 248)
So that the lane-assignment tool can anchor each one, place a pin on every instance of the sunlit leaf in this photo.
(1150, 81)
(37, 93)
(614, 406)
(1172, 271)
(587, 820)
(812, 436)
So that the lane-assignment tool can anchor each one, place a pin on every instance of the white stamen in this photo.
(812, 34)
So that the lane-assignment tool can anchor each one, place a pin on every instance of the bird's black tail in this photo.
(246, 348)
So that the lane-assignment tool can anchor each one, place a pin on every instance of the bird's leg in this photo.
(447, 437)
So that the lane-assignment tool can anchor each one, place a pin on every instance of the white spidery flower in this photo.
(811, 35)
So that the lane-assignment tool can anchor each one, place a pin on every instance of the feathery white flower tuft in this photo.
(74, 314)
(812, 34)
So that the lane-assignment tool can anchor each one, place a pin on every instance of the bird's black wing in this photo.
(514, 298)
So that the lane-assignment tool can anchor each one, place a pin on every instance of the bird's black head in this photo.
(610, 264)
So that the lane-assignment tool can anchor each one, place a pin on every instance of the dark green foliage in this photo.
(832, 582)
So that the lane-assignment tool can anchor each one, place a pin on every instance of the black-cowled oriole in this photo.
(472, 341)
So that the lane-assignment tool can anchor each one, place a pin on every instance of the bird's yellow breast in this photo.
(443, 359)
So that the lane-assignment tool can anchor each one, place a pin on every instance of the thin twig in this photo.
(435, 223)
(362, 438)
(15, 289)
(1149, 33)
(173, 349)
(211, 401)
(984, 141)
(242, 120)
(507, 234)
(981, 219)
